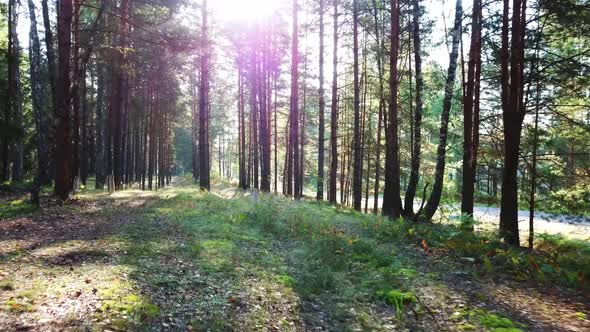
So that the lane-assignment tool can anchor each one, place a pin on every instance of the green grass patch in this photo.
(16, 208)
(469, 318)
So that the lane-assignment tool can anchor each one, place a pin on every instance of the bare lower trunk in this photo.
(417, 124)
(334, 114)
(436, 193)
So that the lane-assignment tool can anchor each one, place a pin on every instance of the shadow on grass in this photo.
(192, 259)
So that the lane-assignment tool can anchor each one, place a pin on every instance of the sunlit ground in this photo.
(180, 259)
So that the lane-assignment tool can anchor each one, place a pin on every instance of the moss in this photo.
(580, 316)
(285, 280)
(495, 321)
(119, 301)
(19, 305)
(396, 297)
(7, 285)
(15, 208)
(466, 327)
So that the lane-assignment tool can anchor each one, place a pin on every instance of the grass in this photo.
(15, 208)
(469, 319)
(308, 250)
(193, 259)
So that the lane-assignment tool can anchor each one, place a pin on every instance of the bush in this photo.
(574, 200)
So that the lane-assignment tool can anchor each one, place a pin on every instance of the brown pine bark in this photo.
(470, 113)
(379, 56)
(14, 100)
(76, 102)
(204, 178)
(334, 113)
(62, 119)
(322, 104)
(39, 112)
(195, 123)
(357, 167)
(294, 107)
(513, 112)
(392, 205)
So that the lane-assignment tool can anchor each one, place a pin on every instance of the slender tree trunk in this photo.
(469, 115)
(276, 147)
(334, 113)
(322, 104)
(204, 169)
(53, 75)
(417, 134)
(75, 167)
(14, 92)
(195, 125)
(357, 185)
(241, 110)
(264, 116)
(435, 195)
(294, 105)
(63, 145)
(38, 98)
(379, 56)
(392, 205)
(513, 115)
(100, 130)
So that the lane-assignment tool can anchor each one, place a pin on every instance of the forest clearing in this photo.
(295, 165)
(182, 259)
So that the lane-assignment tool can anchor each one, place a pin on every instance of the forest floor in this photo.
(182, 259)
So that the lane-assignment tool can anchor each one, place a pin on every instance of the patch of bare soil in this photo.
(51, 265)
(457, 288)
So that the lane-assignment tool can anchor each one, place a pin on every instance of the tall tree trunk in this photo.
(322, 104)
(276, 147)
(417, 134)
(357, 182)
(242, 143)
(77, 82)
(100, 130)
(512, 115)
(38, 98)
(392, 205)
(53, 75)
(204, 181)
(294, 105)
(63, 145)
(379, 56)
(264, 116)
(195, 125)
(470, 125)
(14, 92)
(435, 195)
(49, 47)
(334, 113)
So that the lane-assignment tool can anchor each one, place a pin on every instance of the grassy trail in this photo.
(180, 259)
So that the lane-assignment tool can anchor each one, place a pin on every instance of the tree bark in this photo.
(294, 106)
(392, 205)
(470, 106)
(322, 104)
(436, 193)
(204, 181)
(512, 115)
(357, 190)
(334, 113)
(63, 145)
(37, 98)
(417, 125)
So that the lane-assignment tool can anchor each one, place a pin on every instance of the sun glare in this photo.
(246, 10)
